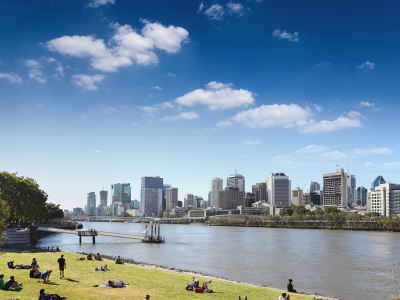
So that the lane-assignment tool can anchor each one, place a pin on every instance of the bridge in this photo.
(147, 238)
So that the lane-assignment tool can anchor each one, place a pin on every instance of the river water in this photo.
(348, 264)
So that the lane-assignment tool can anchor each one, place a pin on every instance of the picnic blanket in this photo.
(106, 286)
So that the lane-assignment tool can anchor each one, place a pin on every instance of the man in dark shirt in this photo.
(290, 287)
(44, 296)
(62, 264)
(11, 283)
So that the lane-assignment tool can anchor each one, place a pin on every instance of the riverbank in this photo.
(157, 281)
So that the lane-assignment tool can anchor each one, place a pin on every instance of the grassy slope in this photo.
(80, 279)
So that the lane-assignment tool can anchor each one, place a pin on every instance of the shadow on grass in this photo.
(49, 283)
(71, 280)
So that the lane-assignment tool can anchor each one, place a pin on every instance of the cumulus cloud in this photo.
(182, 116)
(327, 126)
(310, 150)
(200, 7)
(88, 82)
(293, 37)
(318, 108)
(217, 96)
(165, 105)
(367, 65)
(273, 115)
(256, 142)
(83, 116)
(125, 47)
(152, 109)
(366, 104)
(98, 3)
(171, 74)
(215, 12)
(148, 109)
(354, 114)
(35, 72)
(13, 78)
(108, 109)
(225, 123)
(235, 8)
(51, 59)
(157, 88)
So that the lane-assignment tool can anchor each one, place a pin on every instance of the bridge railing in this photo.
(87, 233)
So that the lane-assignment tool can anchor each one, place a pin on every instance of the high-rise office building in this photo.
(164, 201)
(188, 199)
(297, 196)
(151, 192)
(209, 198)
(172, 198)
(377, 181)
(91, 204)
(103, 198)
(360, 196)
(236, 180)
(217, 184)
(314, 186)
(135, 204)
(351, 187)
(384, 199)
(250, 199)
(121, 192)
(279, 189)
(335, 189)
(231, 198)
(260, 191)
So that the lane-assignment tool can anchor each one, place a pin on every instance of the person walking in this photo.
(62, 265)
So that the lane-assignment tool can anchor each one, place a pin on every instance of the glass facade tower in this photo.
(151, 195)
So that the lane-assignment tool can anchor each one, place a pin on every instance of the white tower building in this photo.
(217, 184)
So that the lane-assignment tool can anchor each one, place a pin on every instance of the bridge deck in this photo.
(120, 235)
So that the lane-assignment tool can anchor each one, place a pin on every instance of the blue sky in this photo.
(95, 92)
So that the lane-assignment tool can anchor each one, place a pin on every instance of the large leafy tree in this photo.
(53, 211)
(4, 212)
(23, 196)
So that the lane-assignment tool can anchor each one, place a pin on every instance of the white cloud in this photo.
(392, 165)
(323, 64)
(165, 105)
(151, 95)
(98, 3)
(157, 87)
(13, 78)
(200, 7)
(215, 12)
(354, 114)
(83, 116)
(60, 69)
(235, 8)
(217, 96)
(366, 104)
(88, 82)
(310, 150)
(256, 142)
(293, 37)
(96, 151)
(371, 151)
(182, 116)
(273, 115)
(148, 109)
(367, 65)
(318, 108)
(35, 72)
(108, 109)
(327, 126)
(171, 74)
(125, 47)
(197, 132)
(50, 59)
(225, 123)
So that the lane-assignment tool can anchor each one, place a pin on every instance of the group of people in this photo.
(96, 257)
(52, 249)
(195, 287)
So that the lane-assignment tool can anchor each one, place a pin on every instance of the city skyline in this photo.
(98, 92)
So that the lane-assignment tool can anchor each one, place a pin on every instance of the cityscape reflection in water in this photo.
(347, 264)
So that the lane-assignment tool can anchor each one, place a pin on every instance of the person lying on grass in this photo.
(203, 289)
(12, 284)
(102, 268)
(44, 296)
(116, 284)
(45, 276)
(195, 283)
(11, 266)
(79, 258)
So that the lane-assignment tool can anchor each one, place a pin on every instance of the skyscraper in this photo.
(236, 180)
(164, 201)
(91, 204)
(377, 181)
(279, 189)
(231, 198)
(103, 198)
(172, 198)
(351, 186)
(209, 198)
(260, 191)
(297, 196)
(151, 195)
(121, 192)
(384, 199)
(314, 186)
(188, 199)
(360, 196)
(335, 188)
(217, 184)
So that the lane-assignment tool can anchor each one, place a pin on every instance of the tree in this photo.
(299, 210)
(125, 214)
(4, 213)
(23, 196)
(331, 210)
(372, 214)
(53, 211)
(287, 211)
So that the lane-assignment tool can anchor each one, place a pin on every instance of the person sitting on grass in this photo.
(147, 297)
(57, 249)
(34, 273)
(203, 289)
(290, 286)
(89, 256)
(282, 297)
(11, 265)
(102, 268)
(115, 284)
(1, 281)
(44, 296)
(12, 284)
(119, 261)
(195, 283)
(34, 262)
(46, 276)
(98, 257)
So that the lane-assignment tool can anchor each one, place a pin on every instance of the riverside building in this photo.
(236, 180)
(216, 186)
(172, 198)
(121, 192)
(188, 199)
(151, 193)
(384, 199)
(279, 189)
(91, 204)
(335, 189)
(260, 191)
(297, 196)
(231, 198)
(103, 198)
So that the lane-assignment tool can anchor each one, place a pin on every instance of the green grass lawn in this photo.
(80, 279)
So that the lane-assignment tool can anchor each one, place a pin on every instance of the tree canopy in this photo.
(4, 212)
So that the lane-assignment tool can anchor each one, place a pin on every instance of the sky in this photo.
(97, 92)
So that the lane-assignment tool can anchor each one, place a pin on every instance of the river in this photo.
(348, 264)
